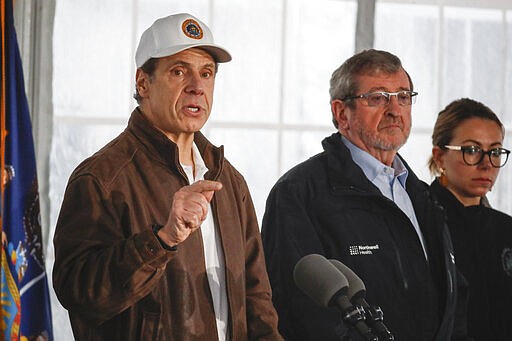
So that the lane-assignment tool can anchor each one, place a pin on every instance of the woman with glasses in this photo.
(467, 156)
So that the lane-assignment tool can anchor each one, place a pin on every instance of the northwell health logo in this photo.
(363, 249)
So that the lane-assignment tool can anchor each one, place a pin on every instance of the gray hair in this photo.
(148, 67)
(343, 80)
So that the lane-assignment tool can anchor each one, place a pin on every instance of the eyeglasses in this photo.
(382, 98)
(473, 155)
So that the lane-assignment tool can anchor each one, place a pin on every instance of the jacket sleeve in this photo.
(261, 314)
(100, 267)
(288, 234)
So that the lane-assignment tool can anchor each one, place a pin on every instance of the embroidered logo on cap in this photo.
(192, 29)
(506, 260)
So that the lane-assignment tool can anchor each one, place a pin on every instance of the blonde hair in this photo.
(451, 117)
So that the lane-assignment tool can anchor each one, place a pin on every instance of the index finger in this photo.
(204, 186)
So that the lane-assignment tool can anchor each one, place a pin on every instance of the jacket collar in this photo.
(449, 201)
(165, 151)
(445, 196)
(343, 172)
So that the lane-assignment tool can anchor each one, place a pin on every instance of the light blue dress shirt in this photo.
(391, 181)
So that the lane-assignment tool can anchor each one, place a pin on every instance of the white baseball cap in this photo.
(175, 33)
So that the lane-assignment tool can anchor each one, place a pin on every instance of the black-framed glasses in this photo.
(382, 98)
(473, 155)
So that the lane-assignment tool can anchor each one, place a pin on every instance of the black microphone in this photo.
(356, 293)
(327, 286)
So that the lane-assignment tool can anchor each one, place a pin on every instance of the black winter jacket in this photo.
(482, 239)
(326, 205)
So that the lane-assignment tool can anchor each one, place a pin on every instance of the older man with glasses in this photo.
(358, 202)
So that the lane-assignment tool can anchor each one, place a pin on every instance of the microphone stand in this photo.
(355, 317)
(375, 318)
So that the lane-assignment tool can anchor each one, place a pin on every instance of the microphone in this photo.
(327, 286)
(356, 293)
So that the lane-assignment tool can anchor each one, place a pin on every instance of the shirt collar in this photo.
(372, 167)
(201, 168)
(199, 165)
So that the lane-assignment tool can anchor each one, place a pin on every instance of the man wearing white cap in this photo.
(157, 238)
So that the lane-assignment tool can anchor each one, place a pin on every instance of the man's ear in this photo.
(338, 109)
(142, 83)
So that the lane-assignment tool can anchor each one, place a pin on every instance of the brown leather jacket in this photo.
(112, 274)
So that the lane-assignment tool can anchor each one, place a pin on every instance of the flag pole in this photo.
(3, 131)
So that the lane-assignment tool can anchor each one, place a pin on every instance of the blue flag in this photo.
(25, 303)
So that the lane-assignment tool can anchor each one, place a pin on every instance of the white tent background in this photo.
(271, 106)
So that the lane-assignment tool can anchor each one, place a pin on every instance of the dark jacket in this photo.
(482, 239)
(113, 275)
(326, 205)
